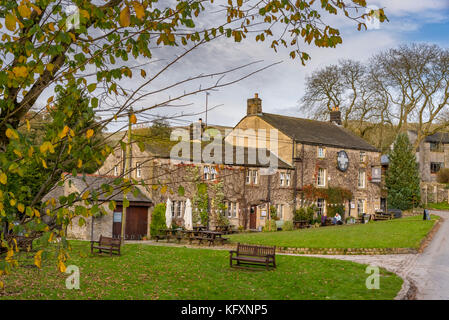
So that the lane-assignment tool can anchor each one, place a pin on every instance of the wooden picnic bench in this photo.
(168, 234)
(226, 229)
(106, 244)
(382, 216)
(301, 224)
(247, 254)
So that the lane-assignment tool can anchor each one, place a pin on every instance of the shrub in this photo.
(270, 226)
(158, 219)
(288, 226)
(304, 214)
(443, 175)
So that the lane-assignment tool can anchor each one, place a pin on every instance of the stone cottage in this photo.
(107, 221)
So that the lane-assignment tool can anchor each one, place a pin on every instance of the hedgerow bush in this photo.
(158, 219)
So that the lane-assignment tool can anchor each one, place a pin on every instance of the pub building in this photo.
(318, 163)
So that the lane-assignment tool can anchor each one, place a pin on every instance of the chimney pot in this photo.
(335, 116)
(254, 105)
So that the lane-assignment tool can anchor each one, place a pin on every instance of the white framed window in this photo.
(206, 171)
(321, 152)
(173, 208)
(280, 211)
(360, 206)
(116, 171)
(282, 178)
(138, 170)
(255, 176)
(234, 209)
(287, 179)
(213, 173)
(321, 206)
(362, 178)
(321, 177)
(248, 176)
(362, 156)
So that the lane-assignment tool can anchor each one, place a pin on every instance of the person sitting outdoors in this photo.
(336, 219)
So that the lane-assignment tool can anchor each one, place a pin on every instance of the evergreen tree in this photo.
(402, 180)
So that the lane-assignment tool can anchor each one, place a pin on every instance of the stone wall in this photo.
(348, 179)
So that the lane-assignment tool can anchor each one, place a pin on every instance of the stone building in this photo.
(291, 155)
(322, 154)
(432, 154)
(107, 223)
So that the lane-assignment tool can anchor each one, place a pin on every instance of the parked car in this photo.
(397, 213)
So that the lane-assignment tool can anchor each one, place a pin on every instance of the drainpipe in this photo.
(295, 178)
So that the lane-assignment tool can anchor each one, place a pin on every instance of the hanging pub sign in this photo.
(342, 161)
(376, 174)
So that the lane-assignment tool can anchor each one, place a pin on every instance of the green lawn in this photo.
(156, 272)
(438, 206)
(399, 233)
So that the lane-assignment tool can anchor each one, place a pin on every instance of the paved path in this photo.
(426, 275)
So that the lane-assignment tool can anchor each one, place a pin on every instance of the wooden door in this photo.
(252, 217)
(136, 223)
(117, 222)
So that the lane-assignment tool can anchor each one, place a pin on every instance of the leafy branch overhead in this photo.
(69, 66)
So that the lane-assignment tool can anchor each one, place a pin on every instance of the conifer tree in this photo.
(402, 180)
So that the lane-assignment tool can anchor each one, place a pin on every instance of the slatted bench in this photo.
(106, 244)
(382, 216)
(253, 255)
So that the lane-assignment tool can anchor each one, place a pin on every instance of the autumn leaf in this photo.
(3, 178)
(133, 119)
(89, 133)
(140, 11)
(143, 73)
(38, 259)
(21, 207)
(10, 22)
(125, 17)
(24, 11)
(11, 134)
(20, 72)
(61, 266)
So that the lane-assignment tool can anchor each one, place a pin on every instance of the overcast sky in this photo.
(282, 86)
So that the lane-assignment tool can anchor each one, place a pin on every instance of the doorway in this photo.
(136, 226)
(252, 217)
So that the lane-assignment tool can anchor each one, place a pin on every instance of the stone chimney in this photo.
(335, 116)
(254, 105)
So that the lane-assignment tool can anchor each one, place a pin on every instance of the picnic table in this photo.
(224, 228)
(168, 234)
(301, 224)
(204, 235)
(199, 228)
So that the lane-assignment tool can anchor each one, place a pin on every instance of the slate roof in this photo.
(93, 183)
(441, 137)
(316, 132)
(239, 154)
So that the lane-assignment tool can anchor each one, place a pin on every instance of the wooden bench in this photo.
(301, 224)
(253, 255)
(168, 234)
(382, 216)
(106, 244)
